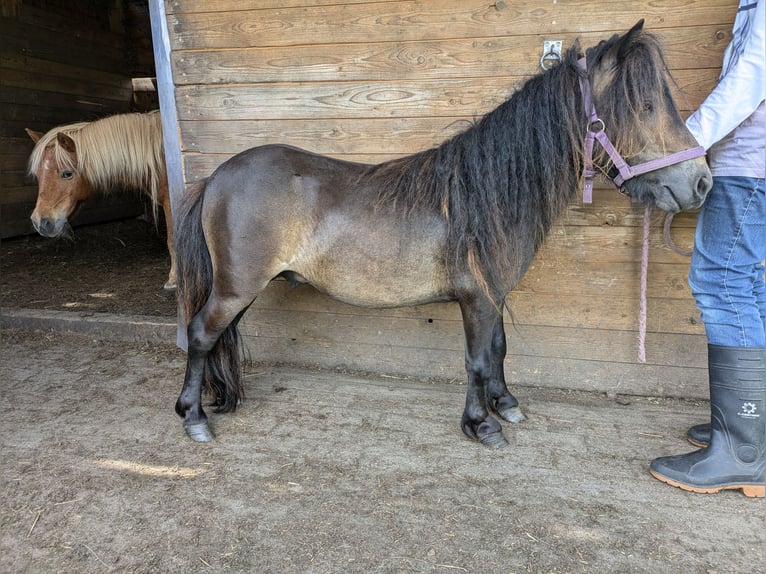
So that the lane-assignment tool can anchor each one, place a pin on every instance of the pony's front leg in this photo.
(480, 317)
(499, 398)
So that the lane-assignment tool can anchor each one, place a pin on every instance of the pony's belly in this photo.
(378, 295)
(374, 282)
(374, 265)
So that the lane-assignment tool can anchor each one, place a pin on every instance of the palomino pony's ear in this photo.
(627, 42)
(67, 143)
(34, 135)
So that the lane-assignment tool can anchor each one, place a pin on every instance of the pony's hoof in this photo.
(494, 440)
(513, 415)
(169, 289)
(199, 432)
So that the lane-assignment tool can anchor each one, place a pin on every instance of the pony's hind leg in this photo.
(208, 351)
(486, 387)
(189, 403)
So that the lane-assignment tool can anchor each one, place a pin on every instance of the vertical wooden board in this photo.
(171, 139)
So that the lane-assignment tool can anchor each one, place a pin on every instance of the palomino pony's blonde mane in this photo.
(121, 150)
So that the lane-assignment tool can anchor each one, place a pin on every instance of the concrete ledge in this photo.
(101, 325)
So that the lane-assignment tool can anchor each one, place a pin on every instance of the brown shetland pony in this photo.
(73, 162)
(460, 222)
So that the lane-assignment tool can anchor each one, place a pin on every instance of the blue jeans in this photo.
(729, 263)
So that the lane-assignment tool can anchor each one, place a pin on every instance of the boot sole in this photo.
(749, 490)
(696, 443)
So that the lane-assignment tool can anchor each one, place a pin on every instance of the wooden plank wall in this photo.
(369, 81)
(64, 61)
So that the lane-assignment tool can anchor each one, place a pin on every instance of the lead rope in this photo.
(644, 272)
(642, 300)
(669, 239)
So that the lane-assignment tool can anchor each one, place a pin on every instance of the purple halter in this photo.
(596, 131)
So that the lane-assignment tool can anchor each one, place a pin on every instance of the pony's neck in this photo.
(123, 151)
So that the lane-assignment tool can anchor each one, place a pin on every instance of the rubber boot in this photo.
(699, 435)
(736, 456)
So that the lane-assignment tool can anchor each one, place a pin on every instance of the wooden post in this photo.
(170, 132)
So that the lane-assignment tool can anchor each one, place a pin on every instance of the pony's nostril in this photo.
(703, 186)
(44, 226)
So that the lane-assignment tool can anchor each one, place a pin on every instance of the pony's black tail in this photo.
(223, 369)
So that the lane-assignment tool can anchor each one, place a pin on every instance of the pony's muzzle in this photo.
(51, 227)
(44, 226)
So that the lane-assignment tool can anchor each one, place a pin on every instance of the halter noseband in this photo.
(597, 131)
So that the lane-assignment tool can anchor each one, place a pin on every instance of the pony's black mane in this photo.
(504, 181)
(512, 172)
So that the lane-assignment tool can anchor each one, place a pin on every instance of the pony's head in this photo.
(631, 95)
(74, 161)
(62, 185)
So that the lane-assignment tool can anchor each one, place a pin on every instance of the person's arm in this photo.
(739, 92)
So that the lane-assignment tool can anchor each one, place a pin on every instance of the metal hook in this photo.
(551, 54)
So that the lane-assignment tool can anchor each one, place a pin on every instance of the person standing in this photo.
(727, 273)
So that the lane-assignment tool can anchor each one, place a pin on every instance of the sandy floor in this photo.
(323, 472)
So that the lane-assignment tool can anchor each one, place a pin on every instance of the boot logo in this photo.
(749, 411)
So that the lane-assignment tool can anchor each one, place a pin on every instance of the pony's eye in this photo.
(67, 174)
(649, 107)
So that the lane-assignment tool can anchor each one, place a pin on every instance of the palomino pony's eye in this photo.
(67, 174)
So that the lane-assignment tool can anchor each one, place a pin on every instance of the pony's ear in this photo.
(629, 40)
(34, 135)
(66, 142)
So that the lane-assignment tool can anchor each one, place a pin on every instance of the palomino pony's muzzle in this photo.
(597, 131)
(52, 228)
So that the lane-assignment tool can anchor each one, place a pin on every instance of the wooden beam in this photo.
(170, 131)
(166, 89)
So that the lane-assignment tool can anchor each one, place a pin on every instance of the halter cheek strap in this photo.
(597, 131)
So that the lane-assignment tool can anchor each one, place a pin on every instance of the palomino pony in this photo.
(460, 222)
(74, 161)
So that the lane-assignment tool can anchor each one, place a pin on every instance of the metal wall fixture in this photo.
(551, 54)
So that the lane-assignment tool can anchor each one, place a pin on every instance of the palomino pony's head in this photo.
(630, 93)
(74, 161)
(62, 185)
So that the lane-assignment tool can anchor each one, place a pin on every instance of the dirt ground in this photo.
(318, 471)
(117, 267)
